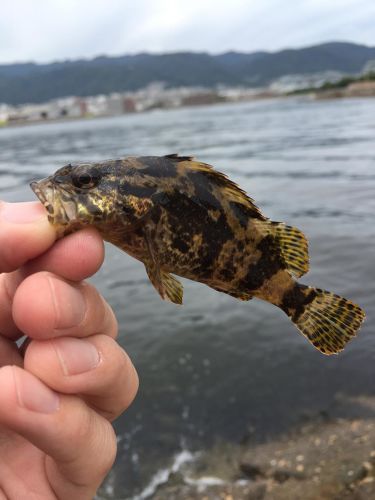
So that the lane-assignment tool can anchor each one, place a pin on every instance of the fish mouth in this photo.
(45, 194)
(61, 209)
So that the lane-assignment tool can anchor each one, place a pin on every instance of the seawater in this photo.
(218, 369)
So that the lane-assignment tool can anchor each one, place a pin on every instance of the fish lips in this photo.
(45, 193)
(59, 211)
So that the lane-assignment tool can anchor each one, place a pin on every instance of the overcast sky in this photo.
(47, 30)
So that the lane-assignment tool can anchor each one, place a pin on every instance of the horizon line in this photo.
(182, 51)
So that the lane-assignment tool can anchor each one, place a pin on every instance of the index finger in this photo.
(74, 258)
(25, 233)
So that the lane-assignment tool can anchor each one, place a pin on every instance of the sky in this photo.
(48, 30)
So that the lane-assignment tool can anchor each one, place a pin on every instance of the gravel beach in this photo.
(325, 459)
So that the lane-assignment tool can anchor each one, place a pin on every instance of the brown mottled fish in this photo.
(180, 216)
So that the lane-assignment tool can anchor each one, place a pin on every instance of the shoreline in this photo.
(324, 459)
(313, 96)
(88, 117)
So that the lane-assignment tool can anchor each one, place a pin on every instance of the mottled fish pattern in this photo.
(181, 216)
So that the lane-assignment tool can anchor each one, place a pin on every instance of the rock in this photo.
(325, 460)
(282, 475)
(252, 471)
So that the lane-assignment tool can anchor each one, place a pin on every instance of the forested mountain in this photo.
(29, 82)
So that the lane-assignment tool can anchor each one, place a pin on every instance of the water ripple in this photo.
(222, 359)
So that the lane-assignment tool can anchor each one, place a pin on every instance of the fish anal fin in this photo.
(168, 287)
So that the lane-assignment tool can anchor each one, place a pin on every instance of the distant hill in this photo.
(29, 82)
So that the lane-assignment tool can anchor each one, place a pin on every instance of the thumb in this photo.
(25, 233)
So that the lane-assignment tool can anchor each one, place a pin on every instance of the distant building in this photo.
(202, 98)
(361, 89)
(115, 105)
(96, 105)
(29, 112)
(67, 107)
(129, 105)
(5, 111)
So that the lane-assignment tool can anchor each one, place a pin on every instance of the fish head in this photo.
(77, 195)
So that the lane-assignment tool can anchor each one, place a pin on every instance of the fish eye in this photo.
(85, 180)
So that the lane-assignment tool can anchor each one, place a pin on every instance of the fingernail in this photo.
(76, 355)
(22, 213)
(69, 303)
(33, 395)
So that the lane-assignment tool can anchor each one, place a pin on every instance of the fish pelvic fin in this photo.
(168, 287)
(327, 320)
(292, 245)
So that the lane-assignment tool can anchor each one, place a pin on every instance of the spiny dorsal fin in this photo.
(229, 188)
(175, 156)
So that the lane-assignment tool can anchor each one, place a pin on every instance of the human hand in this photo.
(56, 402)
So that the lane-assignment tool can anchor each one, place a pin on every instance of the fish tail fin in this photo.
(292, 245)
(327, 320)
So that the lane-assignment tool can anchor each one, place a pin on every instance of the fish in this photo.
(182, 217)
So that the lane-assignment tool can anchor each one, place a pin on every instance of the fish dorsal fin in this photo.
(229, 188)
(176, 157)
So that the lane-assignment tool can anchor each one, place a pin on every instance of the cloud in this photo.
(60, 29)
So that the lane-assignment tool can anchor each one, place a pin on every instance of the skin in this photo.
(60, 394)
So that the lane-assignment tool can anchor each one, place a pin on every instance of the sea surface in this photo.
(218, 369)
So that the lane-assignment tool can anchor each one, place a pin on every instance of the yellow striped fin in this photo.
(292, 245)
(329, 321)
(168, 287)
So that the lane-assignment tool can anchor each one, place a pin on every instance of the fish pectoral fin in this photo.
(168, 287)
